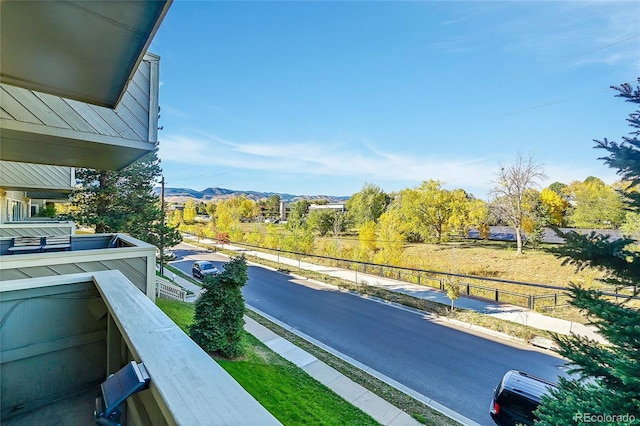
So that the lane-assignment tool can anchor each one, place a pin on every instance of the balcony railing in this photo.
(64, 334)
(35, 227)
(91, 252)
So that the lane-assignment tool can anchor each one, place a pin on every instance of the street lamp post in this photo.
(162, 227)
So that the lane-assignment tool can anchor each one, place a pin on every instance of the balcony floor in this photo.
(72, 411)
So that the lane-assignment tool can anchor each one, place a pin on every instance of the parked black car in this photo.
(202, 268)
(516, 397)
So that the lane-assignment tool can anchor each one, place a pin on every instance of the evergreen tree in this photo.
(219, 310)
(606, 378)
(124, 201)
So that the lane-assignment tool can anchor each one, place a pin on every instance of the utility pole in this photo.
(162, 227)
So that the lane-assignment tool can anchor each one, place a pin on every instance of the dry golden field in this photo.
(498, 260)
(495, 260)
(491, 260)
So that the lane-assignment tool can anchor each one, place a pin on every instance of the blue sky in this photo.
(320, 97)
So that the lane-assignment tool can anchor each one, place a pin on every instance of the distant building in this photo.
(334, 206)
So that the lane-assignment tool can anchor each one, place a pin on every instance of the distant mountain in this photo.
(215, 194)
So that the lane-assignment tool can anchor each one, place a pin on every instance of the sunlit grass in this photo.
(290, 394)
(294, 397)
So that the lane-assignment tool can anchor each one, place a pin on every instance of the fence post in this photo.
(468, 290)
(531, 301)
(555, 299)
(399, 276)
(497, 295)
(418, 278)
(441, 285)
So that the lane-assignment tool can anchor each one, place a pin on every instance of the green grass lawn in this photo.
(290, 394)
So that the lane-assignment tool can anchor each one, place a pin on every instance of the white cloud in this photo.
(173, 111)
(577, 33)
(326, 159)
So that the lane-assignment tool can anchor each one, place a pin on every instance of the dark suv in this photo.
(202, 268)
(516, 397)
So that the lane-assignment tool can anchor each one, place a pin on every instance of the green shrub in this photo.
(219, 311)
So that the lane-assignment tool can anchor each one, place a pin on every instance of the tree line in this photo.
(431, 213)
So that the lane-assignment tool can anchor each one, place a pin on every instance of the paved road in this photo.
(454, 367)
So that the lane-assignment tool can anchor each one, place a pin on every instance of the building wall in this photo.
(14, 205)
(47, 129)
(89, 253)
(53, 337)
(27, 176)
(131, 119)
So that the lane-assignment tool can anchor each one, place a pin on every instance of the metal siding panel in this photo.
(135, 269)
(12, 274)
(94, 266)
(16, 110)
(138, 102)
(16, 232)
(93, 118)
(34, 104)
(27, 175)
(118, 125)
(37, 271)
(9, 231)
(69, 268)
(73, 119)
(134, 115)
(140, 89)
(127, 117)
(144, 69)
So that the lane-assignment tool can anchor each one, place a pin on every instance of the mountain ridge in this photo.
(216, 194)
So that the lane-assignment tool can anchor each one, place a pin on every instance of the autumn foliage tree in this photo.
(596, 205)
(555, 205)
(367, 205)
(189, 213)
(433, 212)
(391, 238)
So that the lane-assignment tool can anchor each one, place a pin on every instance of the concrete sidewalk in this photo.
(502, 311)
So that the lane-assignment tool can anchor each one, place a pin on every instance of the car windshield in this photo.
(206, 266)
